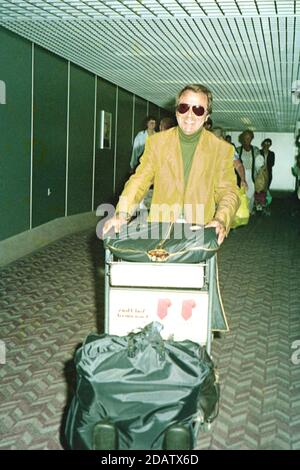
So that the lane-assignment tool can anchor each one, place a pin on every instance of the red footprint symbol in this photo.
(162, 308)
(187, 307)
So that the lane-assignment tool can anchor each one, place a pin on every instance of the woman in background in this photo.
(269, 158)
(252, 161)
(140, 140)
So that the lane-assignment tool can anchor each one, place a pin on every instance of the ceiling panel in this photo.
(246, 51)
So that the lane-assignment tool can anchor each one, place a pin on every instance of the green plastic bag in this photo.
(268, 198)
(242, 215)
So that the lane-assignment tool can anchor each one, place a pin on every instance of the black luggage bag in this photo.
(133, 391)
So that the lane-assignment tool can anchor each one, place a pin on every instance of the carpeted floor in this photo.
(53, 298)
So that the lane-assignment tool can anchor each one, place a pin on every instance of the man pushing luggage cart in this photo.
(193, 182)
(150, 389)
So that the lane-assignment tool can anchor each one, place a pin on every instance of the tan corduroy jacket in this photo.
(211, 184)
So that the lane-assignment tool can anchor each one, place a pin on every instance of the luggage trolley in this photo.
(179, 296)
(142, 289)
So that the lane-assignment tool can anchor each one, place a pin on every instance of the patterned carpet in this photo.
(53, 298)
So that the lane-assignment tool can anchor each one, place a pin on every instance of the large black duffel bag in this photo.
(163, 242)
(142, 386)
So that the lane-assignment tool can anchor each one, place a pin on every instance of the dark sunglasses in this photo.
(183, 108)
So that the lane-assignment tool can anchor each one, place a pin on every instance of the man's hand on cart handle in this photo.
(115, 222)
(220, 229)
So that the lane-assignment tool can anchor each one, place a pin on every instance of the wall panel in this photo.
(50, 136)
(140, 114)
(154, 111)
(81, 135)
(124, 142)
(15, 131)
(104, 165)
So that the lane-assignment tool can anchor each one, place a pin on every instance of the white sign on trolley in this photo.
(183, 314)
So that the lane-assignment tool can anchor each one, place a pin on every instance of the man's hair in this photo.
(167, 122)
(150, 118)
(197, 88)
(265, 141)
(242, 135)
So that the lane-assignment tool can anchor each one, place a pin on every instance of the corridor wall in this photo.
(15, 142)
(51, 164)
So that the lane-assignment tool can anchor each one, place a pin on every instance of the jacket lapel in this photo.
(175, 163)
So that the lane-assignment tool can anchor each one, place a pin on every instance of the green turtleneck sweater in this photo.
(188, 144)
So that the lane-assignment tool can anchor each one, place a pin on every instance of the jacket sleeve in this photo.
(138, 184)
(226, 191)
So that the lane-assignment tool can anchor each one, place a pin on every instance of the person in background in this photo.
(296, 173)
(191, 169)
(140, 140)
(295, 206)
(228, 139)
(208, 124)
(269, 158)
(166, 123)
(297, 141)
(237, 163)
(251, 158)
(296, 167)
